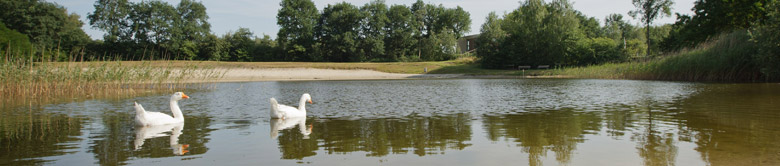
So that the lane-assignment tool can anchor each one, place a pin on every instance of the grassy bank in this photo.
(728, 58)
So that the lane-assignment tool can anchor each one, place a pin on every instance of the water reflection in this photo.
(422, 122)
(147, 132)
(416, 135)
(289, 123)
(734, 124)
(119, 140)
(25, 139)
(537, 132)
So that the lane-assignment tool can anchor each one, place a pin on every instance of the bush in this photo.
(13, 43)
(767, 37)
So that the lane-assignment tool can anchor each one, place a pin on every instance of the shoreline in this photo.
(315, 74)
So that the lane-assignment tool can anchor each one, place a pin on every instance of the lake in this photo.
(414, 122)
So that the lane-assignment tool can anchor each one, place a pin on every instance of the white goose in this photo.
(280, 111)
(144, 118)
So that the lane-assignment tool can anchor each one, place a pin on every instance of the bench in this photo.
(543, 67)
(523, 67)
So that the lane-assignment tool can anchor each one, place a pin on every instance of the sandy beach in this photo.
(299, 74)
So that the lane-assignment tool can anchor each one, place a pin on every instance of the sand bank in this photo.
(299, 74)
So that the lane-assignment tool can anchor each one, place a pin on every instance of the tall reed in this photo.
(26, 80)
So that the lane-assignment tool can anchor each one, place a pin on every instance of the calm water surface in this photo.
(415, 122)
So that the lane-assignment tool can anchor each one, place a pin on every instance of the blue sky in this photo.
(260, 15)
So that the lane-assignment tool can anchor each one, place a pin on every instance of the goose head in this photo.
(178, 96)
(308, 98)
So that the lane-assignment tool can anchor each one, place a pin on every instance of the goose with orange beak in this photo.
(145, 118)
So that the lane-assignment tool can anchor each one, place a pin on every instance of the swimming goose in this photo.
(144, 118)
(280, 111)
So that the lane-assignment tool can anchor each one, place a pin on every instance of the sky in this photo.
(260, 15)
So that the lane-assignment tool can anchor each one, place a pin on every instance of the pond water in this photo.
(415, 122)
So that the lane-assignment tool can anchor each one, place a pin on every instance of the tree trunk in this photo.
(647, 36)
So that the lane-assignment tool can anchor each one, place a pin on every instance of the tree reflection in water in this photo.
(536, 133)
(116, 142)
(734, 124)
(380, 137)
(24, 139)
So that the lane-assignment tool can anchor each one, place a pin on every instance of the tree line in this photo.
(553, 33)
(343, 32)
(150, 30)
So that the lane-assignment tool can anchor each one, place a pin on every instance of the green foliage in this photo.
(538, 33)
(338, 30)
(152, 29)
(399, 42)
(718, 16)
(589, 25)
(767, 37)
(719, 60)
(240, 45)
(372, 31)
(296, 20)
(596, 51)
(110, 16)
(490, 41)
(13, 43)
(47, 25)
(649, 10)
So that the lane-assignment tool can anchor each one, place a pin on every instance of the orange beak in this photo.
(183, 96)
(184, 149)
(310, 102)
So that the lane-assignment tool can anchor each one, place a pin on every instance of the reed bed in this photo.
(26, 80)
(727, 58)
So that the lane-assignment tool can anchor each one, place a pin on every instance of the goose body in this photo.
(146, 118)
(280, 111)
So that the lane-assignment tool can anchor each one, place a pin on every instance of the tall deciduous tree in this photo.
(372, 32)
(491, 39)
(47, 25)
(400, 42)
(191, 27)
(110, 16)
(649, 10)
(296, 20)
(338, 33)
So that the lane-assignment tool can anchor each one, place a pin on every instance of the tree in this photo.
(110, 16)
(372, 32)
(589, 25)
(338, 33)
(491, 39)
(649, 10)
(400, 41)
(190, 28)
(718, 16)
(767, 36)
(239, 45)
(47, 25)
(296, 20)
(13, 43)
